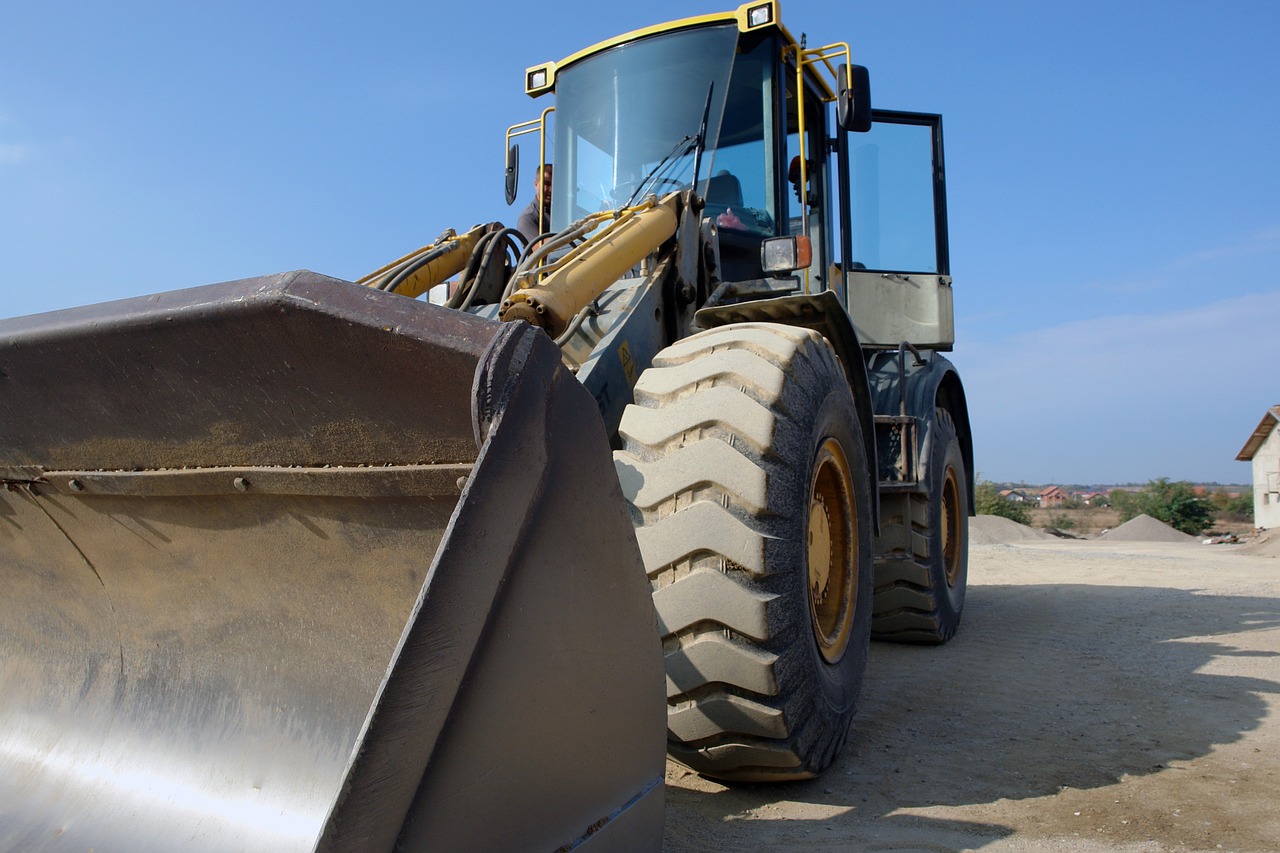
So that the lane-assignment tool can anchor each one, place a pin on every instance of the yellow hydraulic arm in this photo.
(570, 283)
(422, 269)
(545, 293)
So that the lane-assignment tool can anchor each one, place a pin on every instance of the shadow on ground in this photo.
(1046, 687)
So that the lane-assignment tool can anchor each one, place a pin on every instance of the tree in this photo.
(987, 500)
(1176, 504)
(1126, 503)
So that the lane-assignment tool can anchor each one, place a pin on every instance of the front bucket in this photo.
(293, 564)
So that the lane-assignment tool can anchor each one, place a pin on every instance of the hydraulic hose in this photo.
(494, 246)
(416, 264)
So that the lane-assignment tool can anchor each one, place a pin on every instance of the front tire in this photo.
(745, 467)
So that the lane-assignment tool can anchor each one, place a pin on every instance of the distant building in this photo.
(1263, 450)
(1016, 495)
(1054, 496)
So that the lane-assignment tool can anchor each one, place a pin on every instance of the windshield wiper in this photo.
(702, 135)
(681, 148)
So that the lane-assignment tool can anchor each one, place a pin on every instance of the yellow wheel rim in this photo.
(951, 539)
(833, 551)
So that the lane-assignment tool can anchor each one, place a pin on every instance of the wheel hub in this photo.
(951, 539)
(832, 551)
(819, 548)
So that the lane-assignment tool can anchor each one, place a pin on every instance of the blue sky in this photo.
(1113, 175)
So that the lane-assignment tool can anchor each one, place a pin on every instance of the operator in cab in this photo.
(530, 224)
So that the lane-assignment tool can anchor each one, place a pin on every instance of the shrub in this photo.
(987, 500)
(1232, 507)
(1176, 504)
(1061, 521)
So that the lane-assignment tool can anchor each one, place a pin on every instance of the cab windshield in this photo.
(627, 119)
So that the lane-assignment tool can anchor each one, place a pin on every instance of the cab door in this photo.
(892, 249)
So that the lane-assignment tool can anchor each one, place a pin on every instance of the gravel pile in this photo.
(1144, 528)
(997, 530)
(1267, 544)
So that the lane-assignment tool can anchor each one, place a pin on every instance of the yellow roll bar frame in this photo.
(806, 58)
(538, 125)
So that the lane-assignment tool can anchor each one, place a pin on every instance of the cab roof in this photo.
(749, 17)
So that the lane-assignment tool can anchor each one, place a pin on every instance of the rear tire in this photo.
(920, 591)
(745, 468)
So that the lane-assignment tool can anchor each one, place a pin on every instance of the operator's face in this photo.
(544, 187)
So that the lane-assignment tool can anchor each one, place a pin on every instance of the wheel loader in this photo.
(300, 563)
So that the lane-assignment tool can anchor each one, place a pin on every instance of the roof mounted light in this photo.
(539, 79)
(760, 16)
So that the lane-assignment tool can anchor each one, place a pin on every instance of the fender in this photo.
(929, 381)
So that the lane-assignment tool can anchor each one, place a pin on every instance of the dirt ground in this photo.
(1100, 696)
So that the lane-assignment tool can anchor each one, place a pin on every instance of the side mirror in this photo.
(513, 173)
(786, 254)
(853, 110)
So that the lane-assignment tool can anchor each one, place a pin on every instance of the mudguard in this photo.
(898, 380)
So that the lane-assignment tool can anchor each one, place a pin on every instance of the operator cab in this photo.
(734, 107)
(640, 114)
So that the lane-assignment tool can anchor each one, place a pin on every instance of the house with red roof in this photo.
(1054, 496)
